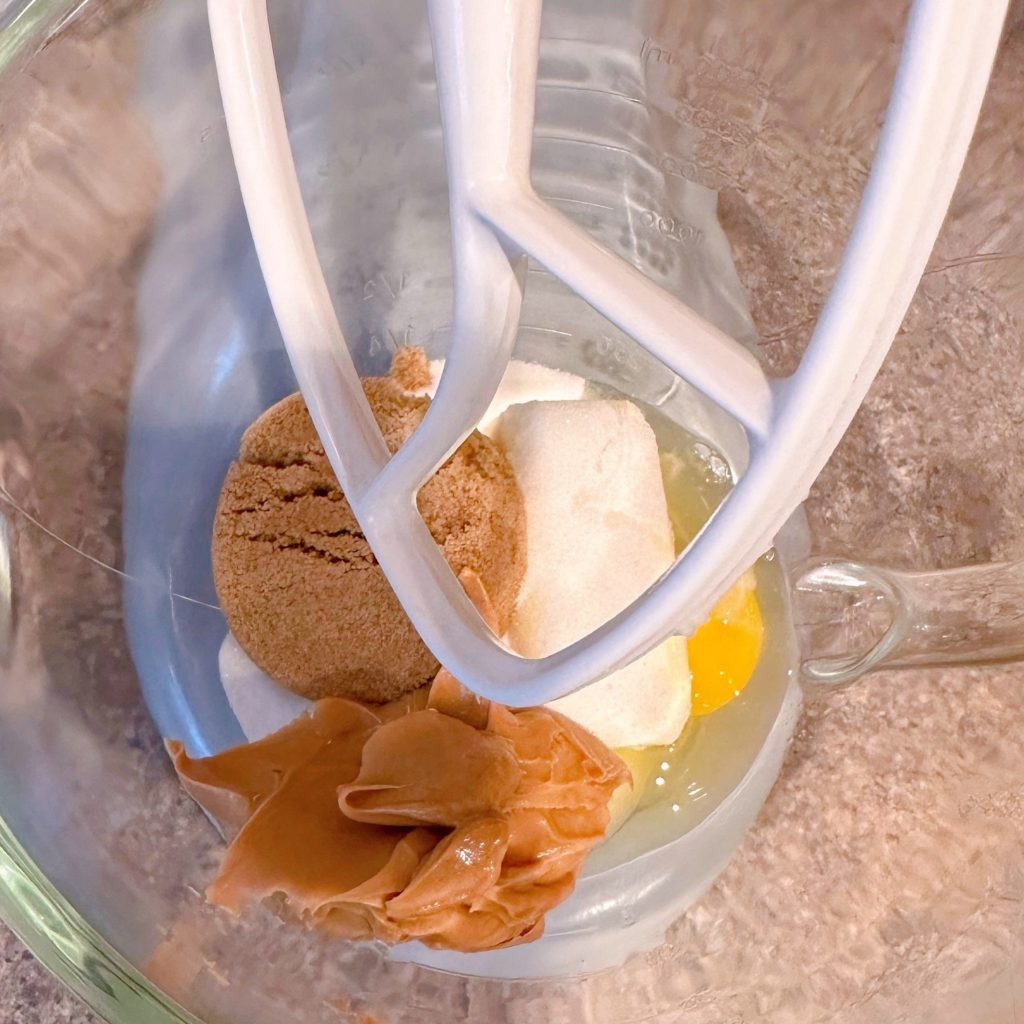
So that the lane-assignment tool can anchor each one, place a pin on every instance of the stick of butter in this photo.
(598, 534)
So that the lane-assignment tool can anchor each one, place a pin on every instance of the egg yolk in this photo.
(724, 651)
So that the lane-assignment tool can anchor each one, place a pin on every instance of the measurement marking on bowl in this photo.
(584, 88)
(578, 202)
(670, 227)
(586, 142)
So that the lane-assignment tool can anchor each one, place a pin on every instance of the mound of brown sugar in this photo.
(297, 581)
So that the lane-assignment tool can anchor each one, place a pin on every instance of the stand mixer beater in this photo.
(485, 56)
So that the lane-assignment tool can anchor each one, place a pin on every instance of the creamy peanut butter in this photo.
(441, 817)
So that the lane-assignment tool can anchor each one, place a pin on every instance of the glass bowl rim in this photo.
(49, 926)
(31, 906)
(72, 950)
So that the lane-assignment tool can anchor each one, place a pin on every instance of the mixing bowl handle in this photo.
(851, 619)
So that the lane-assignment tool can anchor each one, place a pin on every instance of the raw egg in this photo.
(724, 651)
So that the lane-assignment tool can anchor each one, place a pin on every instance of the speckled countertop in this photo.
(28, 994)
(911, 777)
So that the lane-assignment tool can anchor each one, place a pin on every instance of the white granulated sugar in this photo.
(523, 382)
(598, 534)
(260, 705)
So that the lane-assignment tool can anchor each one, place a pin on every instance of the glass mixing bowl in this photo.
(720, 148)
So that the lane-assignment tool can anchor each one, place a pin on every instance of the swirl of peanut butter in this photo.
(452, 820)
